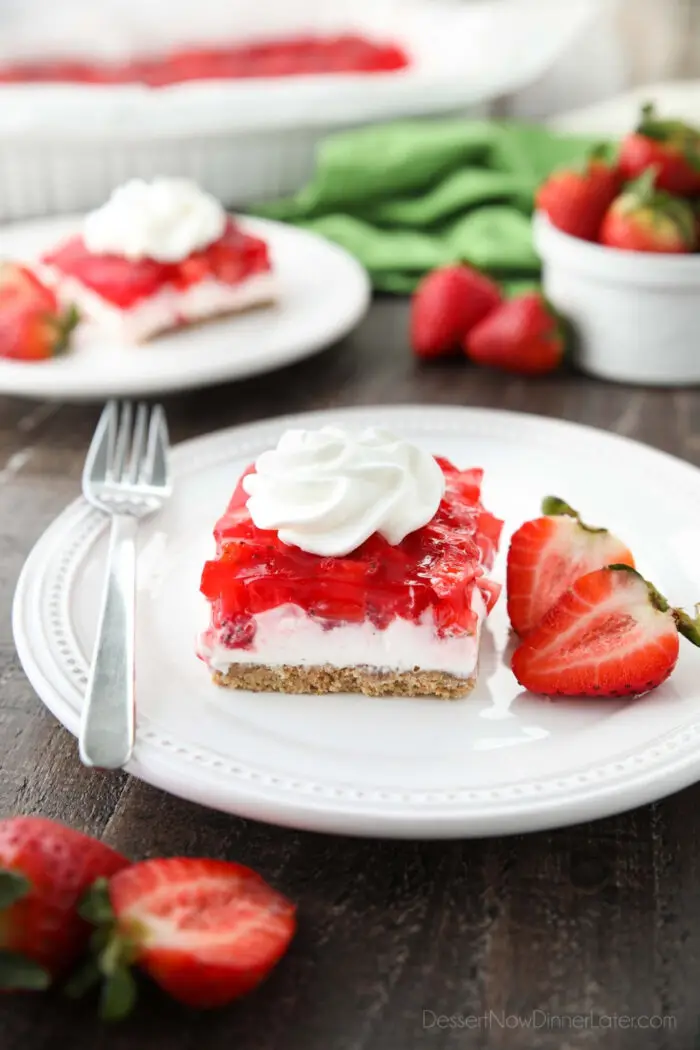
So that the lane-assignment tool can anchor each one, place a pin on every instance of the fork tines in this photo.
(129, 449)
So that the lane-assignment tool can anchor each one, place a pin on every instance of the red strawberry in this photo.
(644, 219)
(45, 868)
(611, 634)
(32, 324)
(548, 554)
(523, 335)
(671, 147)
(575, 200)
(446, 305)
(206, 931)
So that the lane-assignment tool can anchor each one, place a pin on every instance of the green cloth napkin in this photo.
(410, 196)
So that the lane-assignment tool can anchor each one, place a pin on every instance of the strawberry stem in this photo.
(65, 325)
(118, 996)
(95, 906)
(687, 625)
(111, 954)
(553, 507)
(18, 973)
(13, 887)
(643, 189)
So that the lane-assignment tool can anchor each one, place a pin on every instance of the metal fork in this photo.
(126, 476)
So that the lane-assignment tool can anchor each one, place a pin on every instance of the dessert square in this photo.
(160, 256)
(397, 612)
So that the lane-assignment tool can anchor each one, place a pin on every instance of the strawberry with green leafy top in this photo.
(548, 554)
(644, 219)
(576, 199)
(206, 931)
(609, 635)
(670, 147)
(33, 326)
(45, 868)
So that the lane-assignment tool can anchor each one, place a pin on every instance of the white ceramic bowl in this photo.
(64, 147)
(636, 315)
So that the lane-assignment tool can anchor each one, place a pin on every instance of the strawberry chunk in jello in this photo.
(435, 568)
(233, 258)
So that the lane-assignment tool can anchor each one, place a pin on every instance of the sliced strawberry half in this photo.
(33, 325)
(548, 554)
(206, 931)
(611, 634)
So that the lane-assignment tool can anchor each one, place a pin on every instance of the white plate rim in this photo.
(633, 779)
(39, 380)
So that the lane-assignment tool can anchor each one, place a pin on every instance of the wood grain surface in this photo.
(584, 937)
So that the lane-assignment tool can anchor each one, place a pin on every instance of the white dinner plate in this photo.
(497, 762)
(324, 293)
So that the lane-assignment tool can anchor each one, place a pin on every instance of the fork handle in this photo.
(107, 725)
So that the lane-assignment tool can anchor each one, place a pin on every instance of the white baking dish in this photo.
(636, 315)
(64, 147)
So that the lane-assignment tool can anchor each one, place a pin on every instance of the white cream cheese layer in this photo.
(286, 635)
(169, 307)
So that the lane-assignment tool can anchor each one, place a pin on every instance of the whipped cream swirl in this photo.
(327, 491)
(165, 220)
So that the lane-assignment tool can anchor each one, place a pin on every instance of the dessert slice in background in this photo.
(158, 256)
(350, 563)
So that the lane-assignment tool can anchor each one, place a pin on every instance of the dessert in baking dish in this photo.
(295, 56)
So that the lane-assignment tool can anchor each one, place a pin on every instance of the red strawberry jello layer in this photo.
(347, 53)
(385, 619)
(139, 298)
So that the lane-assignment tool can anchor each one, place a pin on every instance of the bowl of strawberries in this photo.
(618, 241)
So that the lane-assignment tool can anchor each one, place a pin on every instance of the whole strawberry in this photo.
(671, 147)
(206, 931)
(33, 326)
(576, 199)
(446, 305)
(45, 868)
(610, 635)
(523, 335)
(644, 219)
(548, 554)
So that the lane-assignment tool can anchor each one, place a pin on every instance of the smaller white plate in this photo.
(324, 293)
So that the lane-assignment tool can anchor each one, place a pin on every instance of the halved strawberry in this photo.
(45, 868)
(548, 554)
(33, 326)
(611, 634)
(207, 931)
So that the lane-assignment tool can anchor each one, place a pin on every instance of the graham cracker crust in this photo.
(217, 315)
(326, 679)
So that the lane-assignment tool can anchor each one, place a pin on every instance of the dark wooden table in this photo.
(549, 930)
